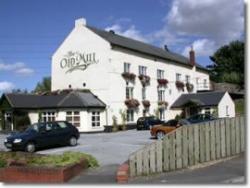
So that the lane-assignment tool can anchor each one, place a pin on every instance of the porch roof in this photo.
(201, 99)
(72, 99)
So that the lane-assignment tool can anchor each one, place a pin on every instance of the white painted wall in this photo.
(33, 115)
(104, 78)
(225, 102)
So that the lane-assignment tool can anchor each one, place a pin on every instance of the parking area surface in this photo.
(107, 148)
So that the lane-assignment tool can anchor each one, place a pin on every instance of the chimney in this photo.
(192, 56)
(80, 22)
(166, 47)
(112, 31)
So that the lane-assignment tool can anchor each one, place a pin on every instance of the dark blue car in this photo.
(144, 123)
(42, 135)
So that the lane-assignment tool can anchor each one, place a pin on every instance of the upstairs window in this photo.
(129, 92)
(187, 79)
(161, 95)
(143, 91)
(178, 77)
(160, 74)
(127, 67)
(142, 70)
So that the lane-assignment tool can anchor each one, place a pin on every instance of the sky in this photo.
(31, 30)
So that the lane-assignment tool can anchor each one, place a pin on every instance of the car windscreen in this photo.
(171, 123)
(33, 127)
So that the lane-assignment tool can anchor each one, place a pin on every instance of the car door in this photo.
(62, 132)
(41, 138)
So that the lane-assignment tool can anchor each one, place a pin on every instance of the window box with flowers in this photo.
(132, 103)
(145, 80)
(190, 87)
(129, 76)
(162, 104)
(146, 103)
(180, 85)
(162, 82)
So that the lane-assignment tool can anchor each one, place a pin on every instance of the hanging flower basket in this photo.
(162, 82)
(162, 104)
(129, 76)
(190, 87)
(180, 85)
(132, 103)
(145, 80)
(146, 103)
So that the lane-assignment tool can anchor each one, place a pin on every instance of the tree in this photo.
(228, 64)
(43, 86)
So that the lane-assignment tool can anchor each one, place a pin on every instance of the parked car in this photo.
(159, 131)
(198, 118)
(42, 135)
(144, 123)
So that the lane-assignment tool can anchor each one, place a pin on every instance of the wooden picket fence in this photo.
(190, 145)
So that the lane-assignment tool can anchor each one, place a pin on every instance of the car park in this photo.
(144, 123)
(42, 135)
(158, 131)
(198, 118)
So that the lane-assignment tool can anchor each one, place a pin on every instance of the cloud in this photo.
(18, 68)
(6, 86)
(130, 32)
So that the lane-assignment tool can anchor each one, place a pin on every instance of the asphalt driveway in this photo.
(107, 148)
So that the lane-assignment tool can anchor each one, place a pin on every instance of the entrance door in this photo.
(193, 110)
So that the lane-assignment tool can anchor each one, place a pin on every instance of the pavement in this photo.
(225, 172)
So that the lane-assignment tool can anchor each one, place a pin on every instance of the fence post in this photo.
(191, 145)
(132, 165)
(218, 139)
(139, 162)
(233, 137)
(223, 137)
(196, 144)
(184, 146)
(207, 141)
(172, 151)
(212, 139)
(165, 153)
(178, 148)
(237, 135)
(152, 158)
(228, 137)
(159, 156)
(145, 157)
(202, 143)
(242, 134)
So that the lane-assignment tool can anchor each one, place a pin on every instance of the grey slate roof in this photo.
(73, 99)
(118, 40)
(202, 99)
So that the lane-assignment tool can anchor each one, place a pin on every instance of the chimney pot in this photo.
(192, 56)
(80, 22)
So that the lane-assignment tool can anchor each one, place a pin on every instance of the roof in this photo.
(201, 99)
(72, 99)
(135, 45)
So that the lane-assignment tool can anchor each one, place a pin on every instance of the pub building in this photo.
(99, 75)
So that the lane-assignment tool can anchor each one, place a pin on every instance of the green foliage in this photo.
(43, 86)
(239, 106)
(115, 126)
(228, 64)
(22, 120)
(123, 118)
(3, 162)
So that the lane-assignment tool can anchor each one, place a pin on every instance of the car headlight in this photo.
(17, 140)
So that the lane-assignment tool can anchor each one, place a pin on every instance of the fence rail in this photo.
(190, 145)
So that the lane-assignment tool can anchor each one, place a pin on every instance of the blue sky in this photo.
(31, 30)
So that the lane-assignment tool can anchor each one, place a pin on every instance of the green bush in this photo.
(3, 163)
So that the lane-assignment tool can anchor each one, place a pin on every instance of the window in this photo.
(129, 92)
(207, 111)
(178, 77)
(160, 74)
(95, 119)
(187, 79)
(161, 95)
(227, 112)
(48, 116)
(161, 114)
(197, 81)
(205, 83)
(142, 70)
(143, 91)
(62, 125)
(130, 115)
(126, 67)
(73, 117)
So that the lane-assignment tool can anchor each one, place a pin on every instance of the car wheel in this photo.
(160, 135)
(30, 147)
(72, 141)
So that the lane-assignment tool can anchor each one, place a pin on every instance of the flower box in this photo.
(146, 103)
(180, 85)
(162, 104)
(145, 80)
(190, 87)
(129, 76)
(132, 103)
(162, 82)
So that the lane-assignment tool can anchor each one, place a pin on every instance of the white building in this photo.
(129, 76)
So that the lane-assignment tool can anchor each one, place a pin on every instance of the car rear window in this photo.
(62, 125)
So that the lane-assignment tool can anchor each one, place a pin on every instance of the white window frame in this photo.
(129, 92)
(178, 77)
(160, 74)
(130, 115)
(73, 115)
(205, 83)
(207, 111)
(95, 119)
(126, 67)
(142, 70)
(161, 95)
(187, 79)
(161, 114)
(48, 116)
